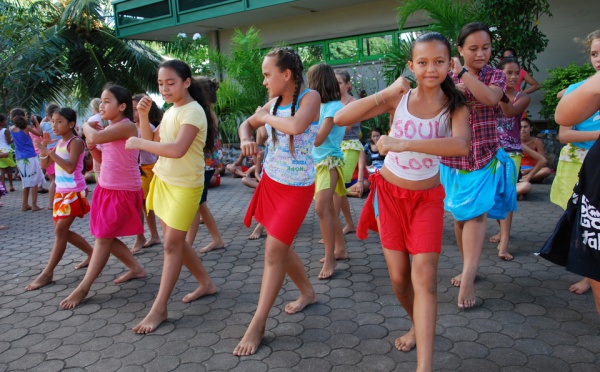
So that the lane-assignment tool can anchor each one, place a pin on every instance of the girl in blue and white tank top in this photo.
(285, 191)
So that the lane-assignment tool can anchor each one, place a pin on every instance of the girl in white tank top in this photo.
(406, 201)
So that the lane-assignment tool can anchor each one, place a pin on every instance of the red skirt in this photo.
(116, 213)
(279, 208)
(410, 220)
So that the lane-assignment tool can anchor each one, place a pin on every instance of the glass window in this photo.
(311, 54)
(192, 4)
(346, 49)
(376, 45)
(144, 13)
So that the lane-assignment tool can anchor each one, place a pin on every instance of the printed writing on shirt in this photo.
(411, 130)
(590, 224)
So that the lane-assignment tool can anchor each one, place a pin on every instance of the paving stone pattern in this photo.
(527, 319)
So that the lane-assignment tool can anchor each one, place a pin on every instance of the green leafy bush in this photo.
(560, 78)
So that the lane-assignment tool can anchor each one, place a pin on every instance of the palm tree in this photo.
(74, 55)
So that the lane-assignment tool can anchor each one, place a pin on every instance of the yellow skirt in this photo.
(323, 177)
(176, 206)
(147, 177)
(567, 175)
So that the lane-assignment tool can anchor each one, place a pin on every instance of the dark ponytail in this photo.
(288, 59)
(195, 90)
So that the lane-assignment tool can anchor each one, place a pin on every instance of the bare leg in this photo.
(424, 282)
(581, 286)
(34, 195)
(400, 275)
(177, 253)
(51, 191)
(505, 225)
(97, 262)
(340, 252)
(213, 230)
(350, 227)
(193, 231)
(326, 214)
(61, 230)
(123, 254)
(296, 272)
(25, 196)
(473, 235)
(151, 222)
(596, 290)
(276, 254)
(140, 239)
(458, 232)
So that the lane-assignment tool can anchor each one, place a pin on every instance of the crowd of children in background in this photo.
(473, 155)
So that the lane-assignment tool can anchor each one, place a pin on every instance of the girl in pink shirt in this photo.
(70, 198)
(117, 199)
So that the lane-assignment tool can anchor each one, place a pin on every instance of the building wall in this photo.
(575, 18)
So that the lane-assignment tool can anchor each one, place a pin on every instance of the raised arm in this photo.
(308, 111)
(143, 108)
(579, 104)
(109, 134)
(517, 108)
(376, 104)
(176, 149)
(533, 84)
(489, 95)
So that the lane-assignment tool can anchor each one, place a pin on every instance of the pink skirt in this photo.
(279, 208)
(116, 213)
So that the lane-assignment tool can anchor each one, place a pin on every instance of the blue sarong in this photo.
(491, 189)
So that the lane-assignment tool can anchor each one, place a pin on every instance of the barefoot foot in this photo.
(339, 256)
(202, 290)
(139, 243)
(407, 342)
(256, 234)
(328, 269)
(35, 208)
(302, 302)
(83, 264)
(503, 251)
(73, 300)
(495, 238)
(39, 282)
(213, 245)
(152, 242)
(581, 286)
(26, 208)
(131, 274)
(456, 280)
(466, 295)
(348, 229)
(150, 322)
(250, 342)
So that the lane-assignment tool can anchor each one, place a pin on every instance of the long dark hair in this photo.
(470, 28)
(288, 59)
(195, 90)
(322, 79)
(17, 112)
(20, 122)
(456, 99)
(122, 95)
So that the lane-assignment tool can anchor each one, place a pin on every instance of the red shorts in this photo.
(279, 208)
(410, 220)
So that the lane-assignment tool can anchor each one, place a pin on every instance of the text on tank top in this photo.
(411, 165)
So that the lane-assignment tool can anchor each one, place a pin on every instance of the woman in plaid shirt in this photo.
(477, 184)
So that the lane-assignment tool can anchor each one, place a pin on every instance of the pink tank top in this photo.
(410, 165)
(69, 182)
(119, 169)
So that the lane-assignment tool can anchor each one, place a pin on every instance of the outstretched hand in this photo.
(41, 145)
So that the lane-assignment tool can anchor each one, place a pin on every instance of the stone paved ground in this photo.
(528, 320)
